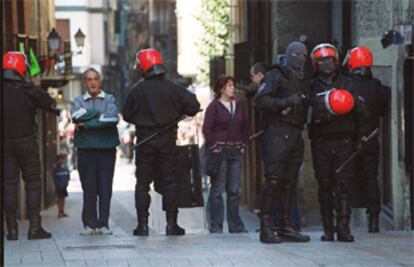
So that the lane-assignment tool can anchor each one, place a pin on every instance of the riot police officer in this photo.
(20, 151)
(336, 124)
(152, 104)
(376, 95)
(282, 97)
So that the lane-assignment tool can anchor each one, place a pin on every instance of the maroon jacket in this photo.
(218, 129)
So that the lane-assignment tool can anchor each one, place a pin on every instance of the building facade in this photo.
(26, 25)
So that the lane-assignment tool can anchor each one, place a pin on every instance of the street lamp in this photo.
(80, 38)
(53, 41)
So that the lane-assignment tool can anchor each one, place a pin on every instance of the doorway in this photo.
(409, 124)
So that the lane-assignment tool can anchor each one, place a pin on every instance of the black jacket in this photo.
(274, 97)
(157, 102)
(326, 125)
(20, 101)
(375, 95)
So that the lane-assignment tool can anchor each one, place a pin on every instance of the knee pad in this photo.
(271, 182)
(324, 183)
(342, 186)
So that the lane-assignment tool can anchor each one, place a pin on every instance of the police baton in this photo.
(259, 133)
(165, 128)
(364, 139)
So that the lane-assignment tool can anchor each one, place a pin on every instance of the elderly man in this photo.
(96, 136)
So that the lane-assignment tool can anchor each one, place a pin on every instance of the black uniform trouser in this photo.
(156, 160)
(367, 172)
(333, 192)
(283, 149)
(21, 157)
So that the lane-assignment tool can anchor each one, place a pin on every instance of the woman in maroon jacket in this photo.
(225, 131)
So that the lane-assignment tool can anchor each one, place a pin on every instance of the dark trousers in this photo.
(283, 149)
(156, 160)
(294, 212)
(96, 171)
(228, 180)
(294, 209)
(333, 191)
(21, 157)
(367, 173)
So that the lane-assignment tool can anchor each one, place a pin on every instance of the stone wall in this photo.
(292, 18)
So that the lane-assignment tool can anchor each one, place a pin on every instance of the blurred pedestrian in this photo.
(61, 177)
(225, 131)
(96, 137)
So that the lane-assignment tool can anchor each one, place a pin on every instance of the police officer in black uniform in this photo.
(334, 129)
(282, 97)
(151, 105)
(376, 95)
(21, 152)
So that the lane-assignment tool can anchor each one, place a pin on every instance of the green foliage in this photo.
(215, 20)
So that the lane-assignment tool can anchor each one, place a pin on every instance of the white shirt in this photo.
(230, 105)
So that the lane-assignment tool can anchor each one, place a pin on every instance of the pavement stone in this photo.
(197, 248)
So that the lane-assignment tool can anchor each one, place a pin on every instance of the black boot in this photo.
(142, 228)
(288, 233)
(266, 232)
(12, 232)
(172, 227)
(35, 229)
(343, 230)
(373, 224)
(328, 228)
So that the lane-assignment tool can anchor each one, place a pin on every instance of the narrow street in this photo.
(197, 248)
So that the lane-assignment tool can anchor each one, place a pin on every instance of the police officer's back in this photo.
(376, 98)
(151, 105)
(20, 153)
(155, 102)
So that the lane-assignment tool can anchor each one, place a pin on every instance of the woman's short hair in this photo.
(221, 81)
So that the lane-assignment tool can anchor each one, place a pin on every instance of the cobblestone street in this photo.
(197, 248)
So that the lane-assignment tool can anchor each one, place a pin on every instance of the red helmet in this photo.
(358, 57)
(147, 58)
(324, 50)
(339, 101)
(16, 61)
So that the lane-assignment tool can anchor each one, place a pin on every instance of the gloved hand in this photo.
(294, 100)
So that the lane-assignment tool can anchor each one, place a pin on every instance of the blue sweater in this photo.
(100, 116)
